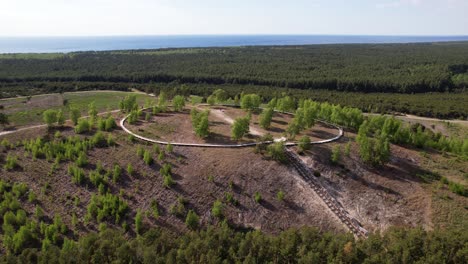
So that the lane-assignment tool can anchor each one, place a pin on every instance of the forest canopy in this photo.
(400, 68)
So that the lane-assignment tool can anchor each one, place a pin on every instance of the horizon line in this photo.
(227, 35)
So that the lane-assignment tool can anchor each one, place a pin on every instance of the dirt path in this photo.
(2, 133)
(90, 91)
(414, 117)
(222, 115)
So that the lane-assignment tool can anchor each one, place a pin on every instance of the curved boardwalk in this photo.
(183, 144)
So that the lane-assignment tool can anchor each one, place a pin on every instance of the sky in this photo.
(194, 17)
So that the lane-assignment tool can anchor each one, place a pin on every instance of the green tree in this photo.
(217, 210)
(92, 110)
(250, 101)
(130, 169)
(192, 220)
(257, 197)
(162, 101)
(266, 117)
(280, 195)
(347, 150)
(336, 153)
(200, 122)
(240, 127)
(75, 114)
(276, 151)
(82, 126)
(179, 103)
(211, 100)
(138, 222)
(4, 119)
(50, 117)
(147, 158)
(220, 95)
(304, 143)
(60, 118)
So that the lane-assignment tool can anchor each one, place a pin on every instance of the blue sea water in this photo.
(71, 44)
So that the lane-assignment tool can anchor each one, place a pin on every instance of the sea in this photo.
(74, 44)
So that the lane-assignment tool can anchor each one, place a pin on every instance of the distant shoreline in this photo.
(20, 45)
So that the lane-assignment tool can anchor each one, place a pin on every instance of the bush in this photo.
(217, 210)
(138, 222)
(99, 140)
(161, 156)
(336, 153)
(230, 199)
(178, 103)
(75, 115)
(77, 174)
(280, 195)
(178, 208)
(165, 169)
(168, 181)
(130, 170)
(240, 127)
(192, 220)
(266, 117)
(304, 143)
(347, 150)
(116, 173)
(457, 188)
(257, 197)
(276, 151)
(169, 148)
(107, 207)
(83, 126)
(140, 152)
(50, 117)
(147, 158)
(155, 209)
(11, 162)
(81, 161)
(200, 122)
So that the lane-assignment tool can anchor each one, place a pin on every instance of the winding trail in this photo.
(2, 133)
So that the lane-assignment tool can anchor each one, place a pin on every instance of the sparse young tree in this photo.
(50, 117)
(4, 119)
(138, 222)
(250, 101)
(304, 143)
(266, 117)
(192, 220)
(60, 118)
(179, 103)
(257, 197)
(217, 210)
(162, 101)
(336, 153)
(211, 100)
(220, 95)
(92, 110)
(240, 127)
(75, 114)
(280, 195)
(276, 151)
(200, 123)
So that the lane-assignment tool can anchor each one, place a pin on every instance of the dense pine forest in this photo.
(314, 71)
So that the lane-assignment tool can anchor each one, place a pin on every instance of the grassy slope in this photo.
(24, 112)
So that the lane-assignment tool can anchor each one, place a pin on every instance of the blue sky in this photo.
(174, 17)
